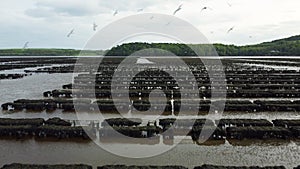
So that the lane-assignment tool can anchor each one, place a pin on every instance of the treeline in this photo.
(283, 47)
(49, 52)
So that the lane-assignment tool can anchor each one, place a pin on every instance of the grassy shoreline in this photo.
(49, 52)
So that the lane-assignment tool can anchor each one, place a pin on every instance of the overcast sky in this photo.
(45, 23)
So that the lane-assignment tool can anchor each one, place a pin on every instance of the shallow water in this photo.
(189, 155)
(185, 153)
(276, 67)
(31, 87)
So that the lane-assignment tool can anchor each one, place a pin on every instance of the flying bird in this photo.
(204, 8)
(140, 10)
(95, 26)
(70, 33)
(229, 4)
(151, 17)
(25, 45)
(178, 9)
(116, 12)
(231, 29)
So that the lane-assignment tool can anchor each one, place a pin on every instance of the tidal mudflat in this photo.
(40, 123)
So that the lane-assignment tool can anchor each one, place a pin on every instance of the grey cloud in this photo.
(125, 5)
(40, 12)
(48, 8)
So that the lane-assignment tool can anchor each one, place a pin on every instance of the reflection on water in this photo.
(32, 87)
(276, 67)
(188, 155)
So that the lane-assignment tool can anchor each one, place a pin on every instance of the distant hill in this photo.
(282, 47)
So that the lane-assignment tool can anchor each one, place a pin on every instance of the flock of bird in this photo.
(116, 12)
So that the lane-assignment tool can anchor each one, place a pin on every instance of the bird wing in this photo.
(25, 45)
(70, 33)
(230, 29)
(95, 26)
(116, 12)
(176, 11)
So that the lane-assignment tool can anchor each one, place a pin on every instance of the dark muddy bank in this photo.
(41, 129)
(32, 166)
(82, 166)
(241, 130)
(29, 62)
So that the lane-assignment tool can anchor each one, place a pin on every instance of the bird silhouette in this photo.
(205, 8)
(178, 9)
(229, 4)
(116, 12)
(95, 26)
(140, 10)
(70, 33)
(230, 29)
(25, 45)
(151, 17)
